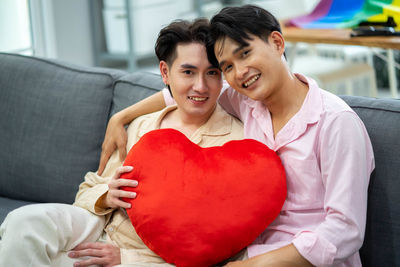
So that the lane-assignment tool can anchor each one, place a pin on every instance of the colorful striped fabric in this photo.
(348, 13)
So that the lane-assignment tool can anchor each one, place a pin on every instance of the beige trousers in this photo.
(42, 234)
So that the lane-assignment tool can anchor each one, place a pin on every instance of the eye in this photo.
(213, 72)
(245, 53)
(188, 72)
(227, 68)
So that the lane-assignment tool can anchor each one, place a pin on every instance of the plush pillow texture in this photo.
(198, 206)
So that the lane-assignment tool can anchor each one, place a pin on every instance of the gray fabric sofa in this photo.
(54, 116)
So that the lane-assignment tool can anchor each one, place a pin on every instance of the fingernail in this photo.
(129, 168)
(135, 183)
(133, 195)
(71, 254)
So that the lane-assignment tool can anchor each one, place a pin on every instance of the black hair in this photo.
(238, 22)
(183, 31)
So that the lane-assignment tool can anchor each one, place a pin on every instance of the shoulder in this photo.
(321, 101)
(333, 104)
(336, 110)
(339, 119)
(142, 125)
(335, 116)
(144, 121)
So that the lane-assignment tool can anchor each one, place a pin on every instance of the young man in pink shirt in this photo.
(322, 143)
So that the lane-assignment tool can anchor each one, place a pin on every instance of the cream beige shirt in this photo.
(219, 129)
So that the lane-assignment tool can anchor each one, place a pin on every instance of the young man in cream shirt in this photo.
(62, 235)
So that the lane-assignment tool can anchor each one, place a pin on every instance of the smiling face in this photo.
(256, 70)
(194, 82)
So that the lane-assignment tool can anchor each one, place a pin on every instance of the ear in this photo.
(164, 70)
(277, 41)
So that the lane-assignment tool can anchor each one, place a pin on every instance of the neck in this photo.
(288, 99)
(286, 102)
(185, 123)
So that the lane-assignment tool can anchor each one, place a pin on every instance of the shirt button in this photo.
(111, 229)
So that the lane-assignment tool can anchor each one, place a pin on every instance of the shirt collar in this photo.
(309, 113)
(155, 124)
(312, 108)
(219, 124)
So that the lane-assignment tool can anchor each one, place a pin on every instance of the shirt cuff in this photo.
(131, 256)
(98, 210)
(169, 101)
(315, 248)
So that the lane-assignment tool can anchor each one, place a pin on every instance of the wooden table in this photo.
(342, 37)
(338, 36)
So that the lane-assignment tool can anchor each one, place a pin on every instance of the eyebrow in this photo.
(190, 66)
(239, 48)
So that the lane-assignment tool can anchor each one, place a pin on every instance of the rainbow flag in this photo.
(348, 13)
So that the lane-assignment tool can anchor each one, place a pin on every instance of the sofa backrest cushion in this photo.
(53, 120)
(382, 238)
(134, 87)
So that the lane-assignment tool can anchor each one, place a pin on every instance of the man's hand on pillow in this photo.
(98, 253)
(114, 194)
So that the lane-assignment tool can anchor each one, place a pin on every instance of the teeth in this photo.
(250, 82)
(195, 98)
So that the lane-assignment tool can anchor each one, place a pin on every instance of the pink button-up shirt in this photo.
(328, 159)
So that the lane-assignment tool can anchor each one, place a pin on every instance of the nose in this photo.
(200, 85)
(241, 71)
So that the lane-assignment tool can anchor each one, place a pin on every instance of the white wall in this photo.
(14, 26)
(73, 31)
(62, 30)
(285, 9)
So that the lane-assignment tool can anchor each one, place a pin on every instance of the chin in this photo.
(258, 94)
(249, 94)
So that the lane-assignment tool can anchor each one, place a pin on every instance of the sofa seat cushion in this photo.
(8, 204)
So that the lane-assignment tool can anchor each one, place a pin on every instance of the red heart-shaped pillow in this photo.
(198, 206)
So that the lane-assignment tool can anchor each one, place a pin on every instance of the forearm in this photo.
(148, 105)
(282, 257)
